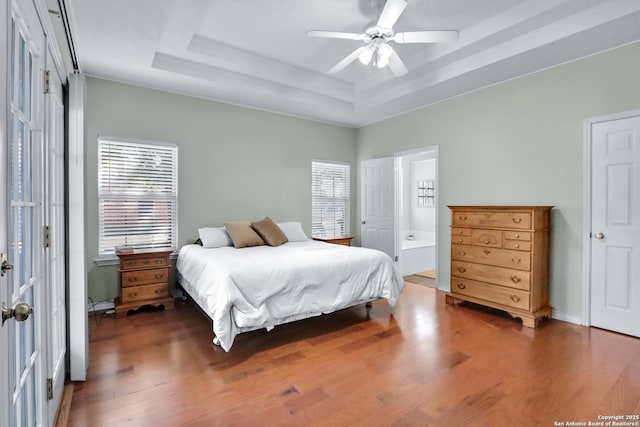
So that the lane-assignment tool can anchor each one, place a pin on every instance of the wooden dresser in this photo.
(344, 240)
(144, 280)
(500, 259)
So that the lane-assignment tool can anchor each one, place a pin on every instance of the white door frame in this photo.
(396, 162)
(587, 206)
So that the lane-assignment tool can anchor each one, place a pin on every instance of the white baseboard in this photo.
(566, 317)
(102, 305)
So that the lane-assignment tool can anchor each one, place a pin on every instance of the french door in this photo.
(23, 391)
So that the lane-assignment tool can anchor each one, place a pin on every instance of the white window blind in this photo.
(330, 199)
(138, 194)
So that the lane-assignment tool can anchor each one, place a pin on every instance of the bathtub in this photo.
(417, 254)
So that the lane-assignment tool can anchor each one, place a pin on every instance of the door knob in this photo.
(599, 236)
(5, 264)
(20, 312)
(363, 222)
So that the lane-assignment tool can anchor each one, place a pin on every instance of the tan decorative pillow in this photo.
(242, 235)
(270, 232)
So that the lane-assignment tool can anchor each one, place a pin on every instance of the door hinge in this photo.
(49, 389)
(47, 236)
(46, 81)
(395, 258)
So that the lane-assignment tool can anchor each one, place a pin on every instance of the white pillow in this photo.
(293, 231)
(214, 237)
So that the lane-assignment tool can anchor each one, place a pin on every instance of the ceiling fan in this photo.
(377, 38)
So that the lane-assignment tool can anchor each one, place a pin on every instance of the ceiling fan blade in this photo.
(391, 12)
(427, 36)
(396, 65)
(347, 60)
(335, 35)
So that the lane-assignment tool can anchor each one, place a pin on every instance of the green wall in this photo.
(520, 142)
(234, 163)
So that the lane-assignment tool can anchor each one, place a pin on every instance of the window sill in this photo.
(106, 260)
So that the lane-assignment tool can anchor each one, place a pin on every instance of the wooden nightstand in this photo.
(344, 240)
(144, 280)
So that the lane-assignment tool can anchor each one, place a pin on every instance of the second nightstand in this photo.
(344, 240)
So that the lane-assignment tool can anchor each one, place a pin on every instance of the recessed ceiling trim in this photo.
(228, 57)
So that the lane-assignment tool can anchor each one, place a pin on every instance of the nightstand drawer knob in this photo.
(133, 279)
(133, 294)
(461, 286)
(159, 276)
(159, 291)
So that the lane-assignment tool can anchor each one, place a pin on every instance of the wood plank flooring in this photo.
(422, 363)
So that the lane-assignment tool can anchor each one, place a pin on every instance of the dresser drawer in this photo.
(517, 235)
(460, 232)
(517, 245)
(510, 297)
(487, 238)
(146, 292)
(519, 260)
(145, 277)
(486, 273)
(152, 261)
(462, 240)
(517, 220)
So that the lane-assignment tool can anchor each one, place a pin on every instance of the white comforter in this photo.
(243, 289)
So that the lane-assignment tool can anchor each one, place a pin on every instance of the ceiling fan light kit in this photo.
(377, 40)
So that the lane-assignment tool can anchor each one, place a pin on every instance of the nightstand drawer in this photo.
(147, 292)
(152, 261)
(145, 277)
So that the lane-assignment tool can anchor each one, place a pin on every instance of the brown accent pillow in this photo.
(270, 232)
(242, 235)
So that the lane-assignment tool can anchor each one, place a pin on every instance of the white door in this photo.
(55, 247)
(22, 376)
(377, 205)
(615, 231)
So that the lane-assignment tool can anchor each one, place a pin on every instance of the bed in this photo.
(263, 286)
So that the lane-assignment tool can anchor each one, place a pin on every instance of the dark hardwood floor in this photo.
(422, 363)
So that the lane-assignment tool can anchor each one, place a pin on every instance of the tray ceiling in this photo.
(256, 53)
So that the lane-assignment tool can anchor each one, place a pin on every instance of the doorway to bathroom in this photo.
(417, 214)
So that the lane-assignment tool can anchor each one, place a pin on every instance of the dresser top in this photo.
(512, 208)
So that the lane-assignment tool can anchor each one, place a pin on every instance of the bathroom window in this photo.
(426, 193)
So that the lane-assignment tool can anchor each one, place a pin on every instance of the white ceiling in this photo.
(256, 53)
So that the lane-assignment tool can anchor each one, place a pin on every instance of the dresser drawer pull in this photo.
(487, 252)
(159, 276)
(462, 269)
(515, 298)
(516, 220)
(460, 232)
(131, 263)
(461, 253)
(486, 242)
(516, 260)
(133, 279)
(517, 236)
(133, 294)
(461, 286)
(159, 261)
(459, 240)
(515, 279)
(463, 217)
(517, 246)
(159, 291)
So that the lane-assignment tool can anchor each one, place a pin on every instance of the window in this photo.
(329, 199)
(138, 194)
